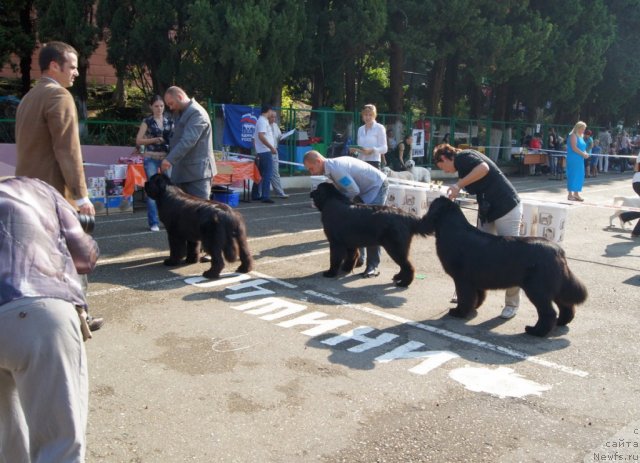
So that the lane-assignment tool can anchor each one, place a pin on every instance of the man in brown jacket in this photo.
(47, 133)
(48, 136)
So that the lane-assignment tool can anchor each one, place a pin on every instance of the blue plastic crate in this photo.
(232, 198)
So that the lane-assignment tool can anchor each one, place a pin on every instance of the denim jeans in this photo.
(265, 166)
(151, 167)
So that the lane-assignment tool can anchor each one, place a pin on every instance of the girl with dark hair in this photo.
(153, 143)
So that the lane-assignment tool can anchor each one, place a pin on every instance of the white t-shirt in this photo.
(262, 126)
(376, 138)
(636, 176)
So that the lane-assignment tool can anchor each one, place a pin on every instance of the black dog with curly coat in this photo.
(349, 226)
(478, 261)
(190, 221)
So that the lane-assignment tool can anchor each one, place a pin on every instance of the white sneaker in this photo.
(154, 228)
(509, 312)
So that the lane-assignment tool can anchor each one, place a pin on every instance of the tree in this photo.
(408, 41)
(613, 97)
(17, 35)
(73, 23)
(115, 18)
(333, 56)
(574, 61)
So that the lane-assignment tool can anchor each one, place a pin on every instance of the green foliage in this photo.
(616, 95)
(577, 54)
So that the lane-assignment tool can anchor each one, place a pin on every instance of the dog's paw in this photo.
(329, 274)
(348, 268)
(244, 268)
(536, 331)
(401, 282)
(458, 313)
(211, 274)
(172, 262)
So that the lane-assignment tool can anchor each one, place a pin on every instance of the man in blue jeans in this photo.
(360, 182)
(265, 145)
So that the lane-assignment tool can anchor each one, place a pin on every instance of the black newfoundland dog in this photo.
(349, 226)
(478, 261)
(190, 221)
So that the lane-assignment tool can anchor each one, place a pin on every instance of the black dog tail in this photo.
(422, 228)
(572, 290)
(629, 216)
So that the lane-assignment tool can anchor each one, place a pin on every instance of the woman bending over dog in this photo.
(499, 207)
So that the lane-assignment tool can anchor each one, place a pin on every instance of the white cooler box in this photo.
(543, 219)
(415, 200)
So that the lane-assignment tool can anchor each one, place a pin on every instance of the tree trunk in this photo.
(276, 96)
(25, 74)
(349, 87)
(502, 102)
(25, 55)
(80, 88)
(476, 99)
(449, 87)
(436, 79)
(396, 63)
(120, 93)
(317, 99)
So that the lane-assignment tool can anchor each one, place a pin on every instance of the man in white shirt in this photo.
(265, 146)
(276, 184)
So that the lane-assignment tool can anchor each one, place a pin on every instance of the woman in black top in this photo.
(401, 154)
(499, 207)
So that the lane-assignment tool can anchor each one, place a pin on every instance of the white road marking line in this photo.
(381, 314)
(117, 289)
(451, 335)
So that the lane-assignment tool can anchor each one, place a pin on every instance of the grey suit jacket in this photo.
(191, 146)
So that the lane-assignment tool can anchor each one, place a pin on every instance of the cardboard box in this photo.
(544, 219)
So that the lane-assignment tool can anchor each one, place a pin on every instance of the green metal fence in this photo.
(329, 129)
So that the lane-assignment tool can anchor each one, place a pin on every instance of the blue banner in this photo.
(239, 125)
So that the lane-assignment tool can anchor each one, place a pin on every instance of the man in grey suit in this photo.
(190, 155)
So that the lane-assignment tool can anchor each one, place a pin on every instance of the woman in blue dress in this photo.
(576, 154)
(153, 141)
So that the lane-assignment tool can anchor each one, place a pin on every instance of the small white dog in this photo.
(404, 175)
(420, 174)
(623, 201)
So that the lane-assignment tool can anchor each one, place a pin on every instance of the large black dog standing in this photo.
(190, 221)
(349, 226)
(478, 261)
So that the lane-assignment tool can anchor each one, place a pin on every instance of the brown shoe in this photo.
(95, 323)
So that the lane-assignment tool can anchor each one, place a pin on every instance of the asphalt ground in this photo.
(283, 365)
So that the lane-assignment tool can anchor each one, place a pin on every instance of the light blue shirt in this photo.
(354, 177)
